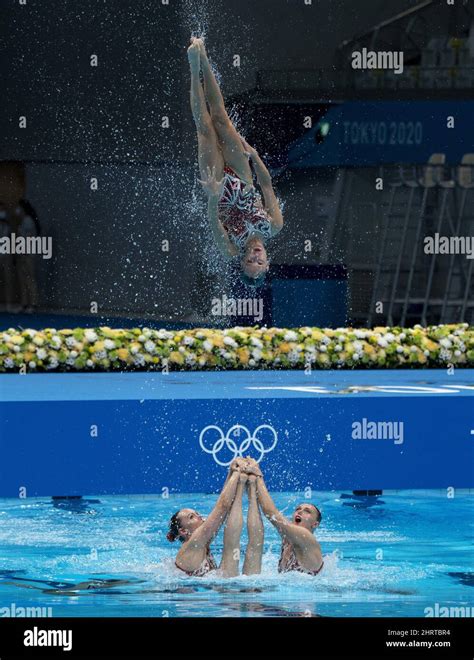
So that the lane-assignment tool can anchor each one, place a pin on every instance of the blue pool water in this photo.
(394, 555)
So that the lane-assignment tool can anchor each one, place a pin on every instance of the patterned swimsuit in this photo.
(240, 211)
(208, 564)
(292, 563)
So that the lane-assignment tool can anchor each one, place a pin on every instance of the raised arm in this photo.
(219, 233)
(213, 189)
(206, 532)
(298, 536)
(265, 182)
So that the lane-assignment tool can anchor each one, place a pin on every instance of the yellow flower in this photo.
(123, 354)
(243, 354)
(284, 347)
(98, 346)
(176, 357)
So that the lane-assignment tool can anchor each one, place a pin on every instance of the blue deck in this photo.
(233, 385)
(115, 433)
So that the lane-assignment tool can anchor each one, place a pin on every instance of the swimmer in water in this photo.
(241, 223)
(196, 533)
(300, 551)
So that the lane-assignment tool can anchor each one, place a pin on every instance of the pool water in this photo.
(392, 555)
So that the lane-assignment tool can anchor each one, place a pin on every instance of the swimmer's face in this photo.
(255, 260)
(306, 516)
(189, 521)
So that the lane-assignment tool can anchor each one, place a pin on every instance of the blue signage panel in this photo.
(303, 432)
(366, 133)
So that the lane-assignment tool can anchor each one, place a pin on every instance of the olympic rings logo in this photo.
(237, 450)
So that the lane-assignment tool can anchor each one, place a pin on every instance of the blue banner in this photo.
(367, 133)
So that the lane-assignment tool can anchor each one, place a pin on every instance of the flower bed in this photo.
(143, 349)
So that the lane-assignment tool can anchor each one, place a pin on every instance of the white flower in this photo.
(381, 341)
(141, 338)
(74, 354)
(252, 362)
(256, 342)
(150, 346)
(90, 363)
(90, 335)
(134, 350)
(457, 353)
(16, 349)
(189, 341)
(357, 345)
(70, 361)
(229, 341)
(323, 348)
(70, 342)
(257, 354)
(139, 360)
(356, 356)
(293, 356)
(389, 336)
(338, 348)
(181, 349)
(360, 334)
(9, 363)
(426, 353)
(399, 349)
(53, 363)
(100, 355)
(445, 342)
(190, 359)
(326, 340)
(444, 355)
(290, 336)
(32, 365)
(109, 344)
(41, 354)
(164, 334)
(56, 341)
(207, 345)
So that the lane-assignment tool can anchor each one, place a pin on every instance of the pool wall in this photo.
(140, 433)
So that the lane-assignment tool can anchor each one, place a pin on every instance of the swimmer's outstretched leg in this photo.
(233, 529)
(229, 139)
(209, 152)
(253, 554)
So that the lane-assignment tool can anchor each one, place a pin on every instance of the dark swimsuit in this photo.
(208, 564)
(292, 563)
